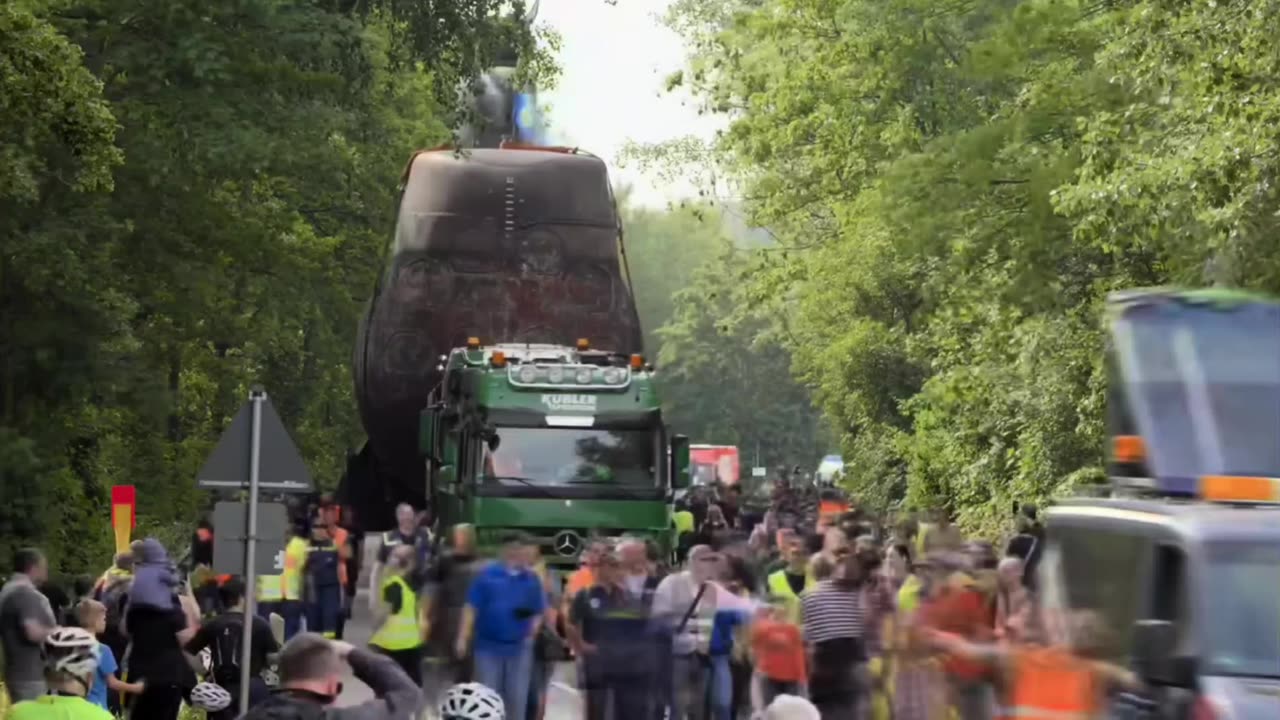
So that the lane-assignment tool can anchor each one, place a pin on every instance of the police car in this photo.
(1182, 557)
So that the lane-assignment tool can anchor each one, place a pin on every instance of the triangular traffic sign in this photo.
(281, 468)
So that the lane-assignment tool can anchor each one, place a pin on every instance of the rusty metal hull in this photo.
(501, 244)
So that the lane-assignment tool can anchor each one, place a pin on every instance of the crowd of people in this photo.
(807, 609)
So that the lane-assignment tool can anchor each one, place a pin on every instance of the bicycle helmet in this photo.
(210, 697)
(73, 651)
(471, 701)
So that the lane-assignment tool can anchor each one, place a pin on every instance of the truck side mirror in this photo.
(428, 425)
(680, 478)
(1154, 647)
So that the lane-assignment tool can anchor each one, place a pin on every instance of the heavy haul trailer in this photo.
(513, 244)
(562, 443)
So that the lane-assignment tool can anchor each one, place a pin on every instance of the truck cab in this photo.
(1180, 553)
(561, 443)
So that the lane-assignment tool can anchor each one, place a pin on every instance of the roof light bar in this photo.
(561, 377)
(1226, 488)
(1128, 449)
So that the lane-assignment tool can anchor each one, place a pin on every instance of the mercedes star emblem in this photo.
(567, 543)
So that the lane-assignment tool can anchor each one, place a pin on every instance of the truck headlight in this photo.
(556, 375)
(528, 374)
(584, 377)
(613, 376)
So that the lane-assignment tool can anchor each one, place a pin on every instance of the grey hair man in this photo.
(633, 555)
(686, 602)
(407, 532)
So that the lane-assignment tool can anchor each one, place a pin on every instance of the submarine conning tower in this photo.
(516, 244)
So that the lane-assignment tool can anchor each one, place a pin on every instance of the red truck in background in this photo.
(713, 464)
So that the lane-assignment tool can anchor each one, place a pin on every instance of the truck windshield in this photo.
(573, 456)
(1203, 386)
(1242, 628)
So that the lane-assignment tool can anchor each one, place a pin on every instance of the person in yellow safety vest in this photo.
(291, 585)
(408, 531)
(401, 626)
(788, 583)
(684, 522)
(120, 570)
(269, 590)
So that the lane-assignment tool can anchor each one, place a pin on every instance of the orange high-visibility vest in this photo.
(340, 539)
(1051, 684)
(827, 508)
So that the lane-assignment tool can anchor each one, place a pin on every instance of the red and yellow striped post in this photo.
(124, 514)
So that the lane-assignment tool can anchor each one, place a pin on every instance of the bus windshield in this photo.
(1203, 385)
(573, 456)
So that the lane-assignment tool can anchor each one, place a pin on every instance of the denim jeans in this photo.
(323, 610)
(721, 688)
(291, 611)
(688, 680)
(508, 676)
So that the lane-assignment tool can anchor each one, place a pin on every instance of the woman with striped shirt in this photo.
(832, 616)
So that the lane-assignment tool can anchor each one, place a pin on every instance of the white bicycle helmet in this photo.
(471, 701)
(210, 697)
(73, 651)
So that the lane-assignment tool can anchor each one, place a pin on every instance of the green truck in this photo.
(560, 443)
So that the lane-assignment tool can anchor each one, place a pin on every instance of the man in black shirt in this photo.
(155, 655)
(1028, 543)
(223, 636)
(445, 595)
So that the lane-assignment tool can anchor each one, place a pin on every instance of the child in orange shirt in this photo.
(778, 649)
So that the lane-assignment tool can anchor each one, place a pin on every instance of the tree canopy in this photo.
(954, 186)
(196, 197)
(725, 378)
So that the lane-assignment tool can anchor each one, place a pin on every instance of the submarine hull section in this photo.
(504, 245)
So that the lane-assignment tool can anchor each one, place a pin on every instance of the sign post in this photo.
(255, 453)
(256, 398)
(124, 514)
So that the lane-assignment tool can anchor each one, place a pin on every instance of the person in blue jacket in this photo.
(502, 616)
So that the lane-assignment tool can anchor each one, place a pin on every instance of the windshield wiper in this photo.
(523, 481)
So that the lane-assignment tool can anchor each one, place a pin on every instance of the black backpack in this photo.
(225, 651)
(114, 598)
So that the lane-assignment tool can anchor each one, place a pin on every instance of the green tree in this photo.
(725, 379)
(664, 248)
(954, 187)
(262, 141)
